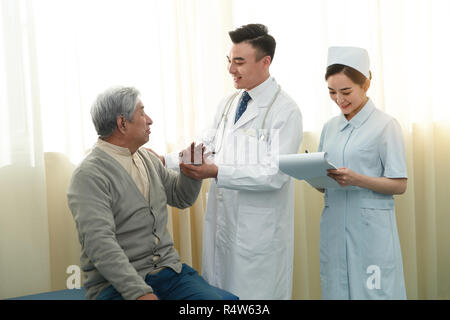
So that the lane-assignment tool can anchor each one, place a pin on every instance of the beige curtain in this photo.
(24, 241)
(188, 42)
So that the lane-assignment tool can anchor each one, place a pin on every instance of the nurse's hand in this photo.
(206, 170)
(344, 176)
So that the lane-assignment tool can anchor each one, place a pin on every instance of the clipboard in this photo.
(311, 167)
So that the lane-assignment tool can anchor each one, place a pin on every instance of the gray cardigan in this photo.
(122, 237)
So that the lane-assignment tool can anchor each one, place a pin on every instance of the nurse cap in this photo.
(354, 57)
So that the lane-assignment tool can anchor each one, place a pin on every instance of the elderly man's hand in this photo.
(206, 170)
(148, 296)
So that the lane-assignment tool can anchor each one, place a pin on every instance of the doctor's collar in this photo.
(263, 94)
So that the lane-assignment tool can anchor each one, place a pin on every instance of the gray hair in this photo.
(111, 104)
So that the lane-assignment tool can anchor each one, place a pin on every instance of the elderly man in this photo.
(118, 197)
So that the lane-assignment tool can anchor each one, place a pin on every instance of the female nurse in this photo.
(360, 256)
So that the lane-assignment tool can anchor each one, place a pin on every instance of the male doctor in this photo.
(248, 231)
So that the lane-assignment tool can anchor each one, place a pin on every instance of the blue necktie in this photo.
(242, 105)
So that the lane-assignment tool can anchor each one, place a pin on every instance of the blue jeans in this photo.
(169, 285)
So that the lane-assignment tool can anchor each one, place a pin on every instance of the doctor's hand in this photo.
(344, 176)
(206, 170)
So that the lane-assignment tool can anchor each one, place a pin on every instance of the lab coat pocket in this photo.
(377, 247)
(252, 148)
(256, 229)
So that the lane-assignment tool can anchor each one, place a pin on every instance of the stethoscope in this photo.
(226, 111)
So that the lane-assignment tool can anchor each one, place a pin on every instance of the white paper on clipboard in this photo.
(311, 167)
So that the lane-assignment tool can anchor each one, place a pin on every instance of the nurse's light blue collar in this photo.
(262, 95)
(359, 118)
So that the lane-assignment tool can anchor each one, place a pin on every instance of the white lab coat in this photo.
(248, 236)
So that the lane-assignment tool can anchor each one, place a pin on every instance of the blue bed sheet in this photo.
(72, 294)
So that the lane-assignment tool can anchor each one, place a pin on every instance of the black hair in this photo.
(257, 35)
(356, 76)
